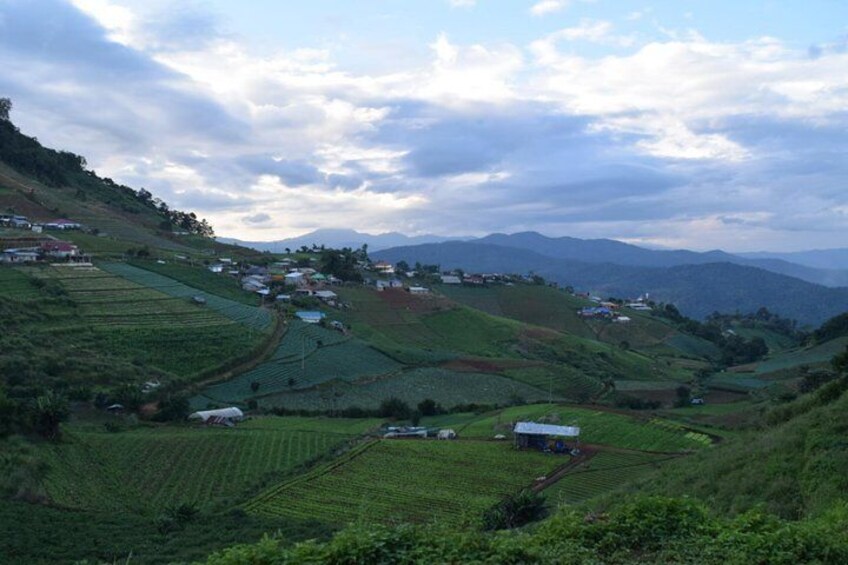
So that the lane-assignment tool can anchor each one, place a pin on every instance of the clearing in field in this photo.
(143, 470)
(408, 480)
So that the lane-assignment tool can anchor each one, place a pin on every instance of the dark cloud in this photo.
(66, 68)
(291, 173)
(260, 218)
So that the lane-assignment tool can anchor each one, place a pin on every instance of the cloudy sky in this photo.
(683, 123)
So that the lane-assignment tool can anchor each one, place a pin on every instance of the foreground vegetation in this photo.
(641, 530)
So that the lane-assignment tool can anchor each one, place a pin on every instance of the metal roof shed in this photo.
(535, 435)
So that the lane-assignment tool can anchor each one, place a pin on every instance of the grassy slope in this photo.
(794, 469)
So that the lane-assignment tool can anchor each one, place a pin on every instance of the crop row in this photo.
(605, 472)
(148, 470)
(445, 387)
(345, 361)
(408, 480)
(251, 316)
(16, 285)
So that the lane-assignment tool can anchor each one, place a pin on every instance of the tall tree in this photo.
(5, 108)
(50, 410)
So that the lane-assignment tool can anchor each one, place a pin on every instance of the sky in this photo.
(699, 124)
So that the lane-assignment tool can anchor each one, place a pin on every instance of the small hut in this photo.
(545, 437)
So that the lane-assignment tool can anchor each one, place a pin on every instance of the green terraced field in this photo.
(146, 469)
(308, 355)
(106, 300)
(815, 355)
(537, 305)
(202, 279)
(250, 316)
(16, 285)
(561, 381)
(447, 388)
(603, 473)
(408, 480)
(597, 427)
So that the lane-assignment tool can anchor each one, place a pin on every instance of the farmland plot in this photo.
(605, 472)
(145, 470)
(447, 388)
(16, 285)
(250, 316)
(308, 355)
(407, 480)
(108, 301)
(596, 426)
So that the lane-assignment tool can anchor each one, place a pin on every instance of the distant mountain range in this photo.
(338, 238)
(708, 282)
(817, 258)
(825, 267)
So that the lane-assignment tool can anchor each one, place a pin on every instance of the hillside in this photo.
(45, 185)
(697, 290)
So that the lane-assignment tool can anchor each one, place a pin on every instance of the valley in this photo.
(372, 396)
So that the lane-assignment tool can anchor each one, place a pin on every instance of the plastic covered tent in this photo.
(231, 413)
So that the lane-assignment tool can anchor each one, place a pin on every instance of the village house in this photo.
(473, 280)
(216, 268)
(451, 279)
(326, 295)
(19, 255)
(295, 279)
(62, 224)
(253, 283)
(310, 317)
(595, 312)
(384, 268)
(59, 249)
(419, 290)
(20, 222)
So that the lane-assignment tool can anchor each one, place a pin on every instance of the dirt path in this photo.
(560, 472)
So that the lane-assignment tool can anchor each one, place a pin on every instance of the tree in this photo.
(683, 393)
(174, 407)
(395, 408)
(49, 411)
(840, 362)
(402, 267)
(5, 109)
(428, 407)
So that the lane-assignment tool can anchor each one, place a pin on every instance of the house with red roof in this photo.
(59, 249)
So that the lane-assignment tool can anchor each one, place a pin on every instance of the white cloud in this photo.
(462, 3)
(544, 7)
(479, 137)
